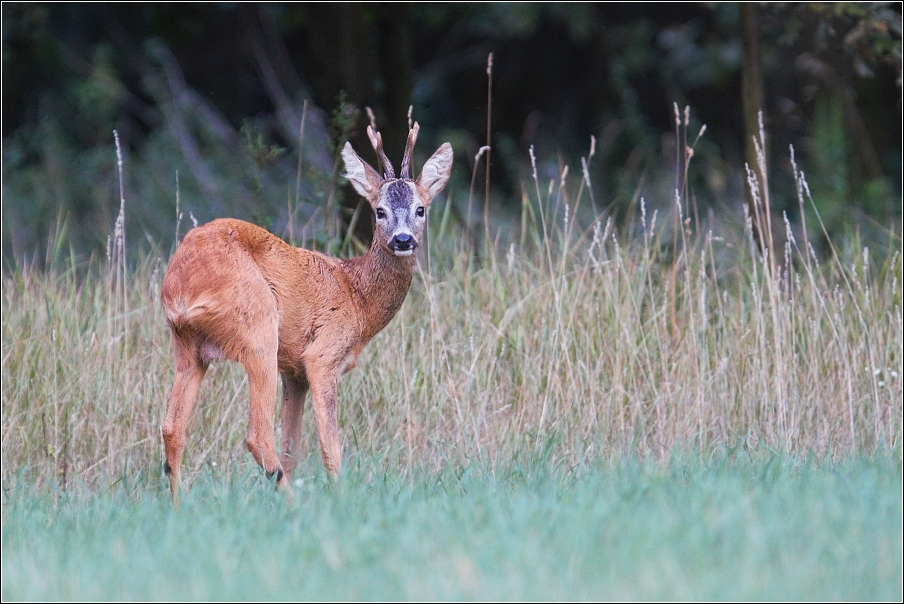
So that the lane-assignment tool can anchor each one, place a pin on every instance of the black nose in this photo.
(403, 241)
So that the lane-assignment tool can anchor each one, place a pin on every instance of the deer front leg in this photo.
(294, 390)
(323, 382)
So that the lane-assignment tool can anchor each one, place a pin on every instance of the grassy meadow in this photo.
(764, 530)
(575, 410)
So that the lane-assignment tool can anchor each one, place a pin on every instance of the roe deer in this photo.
(234, 291)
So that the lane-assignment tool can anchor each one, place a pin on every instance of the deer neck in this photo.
(381, 280)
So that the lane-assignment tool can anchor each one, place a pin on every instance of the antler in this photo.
(377, 142)
(409, 148)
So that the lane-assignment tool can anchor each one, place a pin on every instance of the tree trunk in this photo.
(397, 74)
(752, 104)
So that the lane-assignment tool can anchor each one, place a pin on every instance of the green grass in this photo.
(769, 529)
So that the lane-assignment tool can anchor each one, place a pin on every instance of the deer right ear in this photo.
(358, 172)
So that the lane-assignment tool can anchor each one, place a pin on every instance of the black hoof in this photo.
(278, 472)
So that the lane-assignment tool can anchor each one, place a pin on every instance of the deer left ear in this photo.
(436, 172)
(364, 178)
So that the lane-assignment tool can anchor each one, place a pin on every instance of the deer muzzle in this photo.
(402, 244)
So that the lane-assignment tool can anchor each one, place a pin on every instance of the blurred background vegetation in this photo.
(208, 101)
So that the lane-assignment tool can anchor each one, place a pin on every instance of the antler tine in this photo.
(409, 148)
(377, 142)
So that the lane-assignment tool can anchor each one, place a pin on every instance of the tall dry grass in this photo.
(558, 343)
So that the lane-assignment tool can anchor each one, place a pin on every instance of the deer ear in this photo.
(364, 179)
(436, 172)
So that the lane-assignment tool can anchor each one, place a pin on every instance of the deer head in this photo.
(400, 204)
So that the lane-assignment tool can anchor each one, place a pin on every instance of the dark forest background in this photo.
(207, 100)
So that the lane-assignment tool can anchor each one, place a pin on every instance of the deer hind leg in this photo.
(190, 370)
(294, 391)
(262, 372)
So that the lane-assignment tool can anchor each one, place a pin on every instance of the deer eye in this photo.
(381, 213)
(420, 211)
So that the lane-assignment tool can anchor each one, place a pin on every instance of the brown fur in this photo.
(234, 291)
